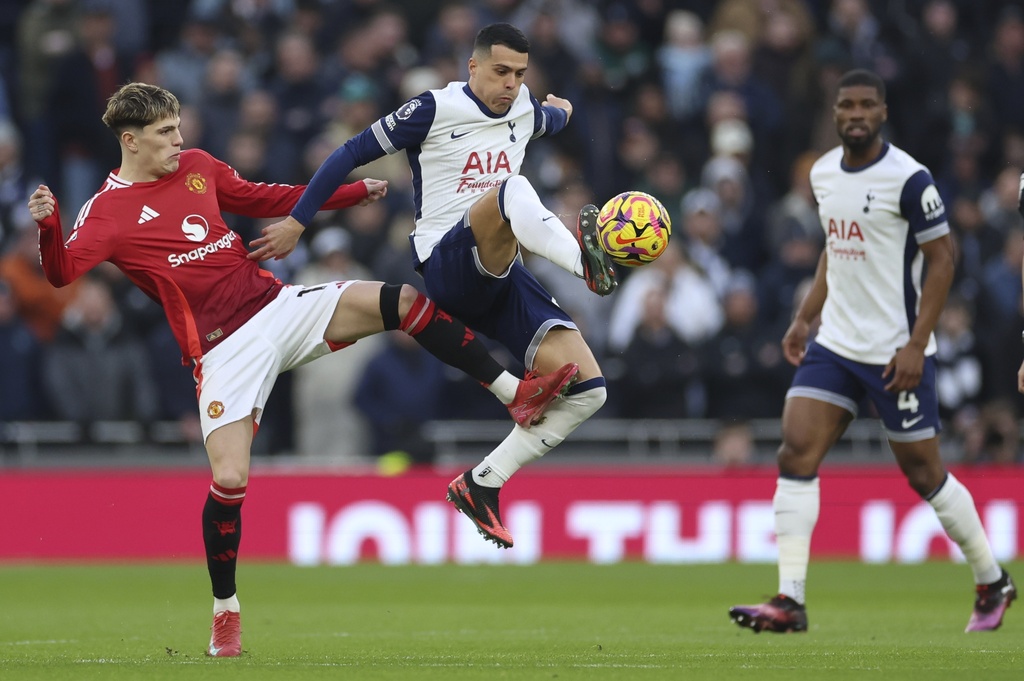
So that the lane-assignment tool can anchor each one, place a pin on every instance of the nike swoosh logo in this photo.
(907, 423)
(545, 443)
(455, 137)
(537, 394)
(550, 217)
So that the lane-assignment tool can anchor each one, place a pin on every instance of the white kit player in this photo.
(880, 286)
(465, 145)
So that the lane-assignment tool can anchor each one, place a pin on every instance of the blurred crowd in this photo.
(717, 107)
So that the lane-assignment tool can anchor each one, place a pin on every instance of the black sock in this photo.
(222, 534)
(442, 335)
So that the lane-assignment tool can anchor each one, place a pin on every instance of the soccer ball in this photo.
(633, 228)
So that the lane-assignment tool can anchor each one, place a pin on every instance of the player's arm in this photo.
(405, 127)
(90, 243)
(794, 343)
(921, 206)
(550, 117)
(1020, 209)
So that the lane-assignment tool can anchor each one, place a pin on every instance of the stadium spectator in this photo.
(683, 58)
(236, 362)
(39, 304)
(94, 370)
(15, 185)
(21, 396)
(401, 388)
(868, 345)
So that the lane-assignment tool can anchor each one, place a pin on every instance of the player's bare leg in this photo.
(809, 429)
(228, 448)
(921, 463)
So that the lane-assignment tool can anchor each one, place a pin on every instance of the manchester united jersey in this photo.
(169, 239)
(874, 217)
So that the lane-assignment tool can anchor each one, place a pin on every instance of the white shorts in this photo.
(236, 377)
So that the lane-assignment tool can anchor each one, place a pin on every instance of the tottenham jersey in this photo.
(874, 217)
(457, 148)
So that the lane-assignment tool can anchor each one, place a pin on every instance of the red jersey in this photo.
(170, 240)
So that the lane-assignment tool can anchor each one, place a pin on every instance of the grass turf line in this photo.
(549, 621)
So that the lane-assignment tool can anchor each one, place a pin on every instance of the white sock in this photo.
(504, 387)
(523, 446)
(222, 604)
(955, 507)
(539, 230)
(796, 505)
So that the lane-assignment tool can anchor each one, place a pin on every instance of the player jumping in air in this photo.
(884, 222)
(465, 145)
(158, 219)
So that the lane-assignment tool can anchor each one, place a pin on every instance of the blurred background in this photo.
(716, 107)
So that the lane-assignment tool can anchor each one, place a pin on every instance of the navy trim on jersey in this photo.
(911, 207)
(881, 155)
(484, 109)
(910, 250)
(406, 126)
(547, 120)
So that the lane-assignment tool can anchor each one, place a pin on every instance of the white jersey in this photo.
(874, 217)
(458, 149)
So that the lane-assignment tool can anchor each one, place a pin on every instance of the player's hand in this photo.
(559, 103)
(1020, 196)
(41, 204)
(278, 240)
(375, 190)
(1020, 378)
(794, 343)
(905, 367)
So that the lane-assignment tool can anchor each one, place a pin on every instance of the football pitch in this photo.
(549, 621)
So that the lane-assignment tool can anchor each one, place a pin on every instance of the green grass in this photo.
(551, 621)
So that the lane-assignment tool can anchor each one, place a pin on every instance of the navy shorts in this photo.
(512, 307)
(908, 416)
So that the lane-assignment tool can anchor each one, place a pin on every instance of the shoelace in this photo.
(226, 632)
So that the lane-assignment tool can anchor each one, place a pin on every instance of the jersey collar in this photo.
(480, 105)
(881, 155)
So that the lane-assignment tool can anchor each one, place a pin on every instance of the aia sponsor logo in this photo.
(486, 163)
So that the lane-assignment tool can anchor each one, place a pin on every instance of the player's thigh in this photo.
(907, 415)
(228, 449)
(357, 313)
(496, 245)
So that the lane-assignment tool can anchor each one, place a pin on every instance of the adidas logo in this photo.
(147, 214)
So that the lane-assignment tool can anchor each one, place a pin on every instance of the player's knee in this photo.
(231, 477)
(794, 459)
(395, 302)
(586, 402)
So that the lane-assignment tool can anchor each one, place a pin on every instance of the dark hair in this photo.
(501, 34)
(863, 77)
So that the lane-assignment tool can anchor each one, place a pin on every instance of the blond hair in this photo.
(136, 105)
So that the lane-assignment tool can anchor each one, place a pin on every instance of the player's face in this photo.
(159, 146)
(496, 78)
(859, 114)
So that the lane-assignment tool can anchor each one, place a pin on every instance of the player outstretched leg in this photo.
(475, 492)
(455, 344)
(541, 232)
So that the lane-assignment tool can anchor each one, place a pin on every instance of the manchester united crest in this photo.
(196, 183)
(215, 410)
